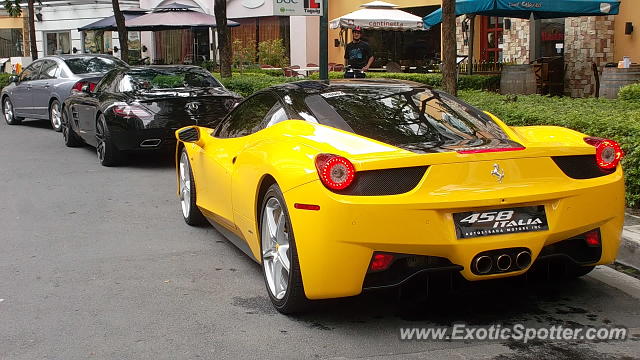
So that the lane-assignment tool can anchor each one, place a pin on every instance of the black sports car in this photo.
(141, 107)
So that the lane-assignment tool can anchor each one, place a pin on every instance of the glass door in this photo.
(491, 40)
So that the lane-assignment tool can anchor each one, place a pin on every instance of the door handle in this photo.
(46, 86)
(233, 161)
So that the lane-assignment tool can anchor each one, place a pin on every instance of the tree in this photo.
(449, 47)
(224, 37)
(123, 35)
(15, 10)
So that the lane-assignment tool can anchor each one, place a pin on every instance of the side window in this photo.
(106, 82)
(276, 115)
(31, 72)
(248, 116)
(49, 69)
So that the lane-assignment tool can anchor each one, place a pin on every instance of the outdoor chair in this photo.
(266, 66)
(338, 67)
(312, 65)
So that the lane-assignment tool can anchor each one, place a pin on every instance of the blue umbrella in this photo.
(540, 9)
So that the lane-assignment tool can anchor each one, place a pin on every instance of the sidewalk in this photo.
(629, 253)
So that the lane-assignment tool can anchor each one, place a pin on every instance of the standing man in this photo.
(357, 55)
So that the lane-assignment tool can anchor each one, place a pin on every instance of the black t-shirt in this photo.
(357, 54)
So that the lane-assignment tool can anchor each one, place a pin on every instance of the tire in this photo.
(71, 139)
(108, 154)
(190, 211)
(9, 112)
(55, 116)
(279, 252)
(578, 271)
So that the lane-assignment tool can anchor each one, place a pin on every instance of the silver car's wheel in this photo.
(8, 112)
(55, 115)
(185, 184)
(275, 248)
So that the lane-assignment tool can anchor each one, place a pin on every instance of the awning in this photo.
(540, 9)
(379, 15)
(109, 23)
(174, 16)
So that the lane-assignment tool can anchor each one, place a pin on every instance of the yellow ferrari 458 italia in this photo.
(340, 187)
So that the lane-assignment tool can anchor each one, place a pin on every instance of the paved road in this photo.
(96, 263)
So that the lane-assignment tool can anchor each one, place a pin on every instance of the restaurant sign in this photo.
(297, 7)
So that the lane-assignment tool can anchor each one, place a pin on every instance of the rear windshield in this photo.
(155, 79)
(402, 116)
(86, 65)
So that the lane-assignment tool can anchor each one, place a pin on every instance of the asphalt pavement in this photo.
(97, 263)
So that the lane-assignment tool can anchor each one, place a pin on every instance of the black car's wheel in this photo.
(55, 115)
(280, 264)
(108, 154)
(71, 139)
(9, 114)
(190, 210)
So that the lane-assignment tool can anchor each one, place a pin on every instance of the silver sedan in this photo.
(39, 91)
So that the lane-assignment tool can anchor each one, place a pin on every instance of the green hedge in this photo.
(4, 79)
(247, 84)
(630, 92)
(613, 119)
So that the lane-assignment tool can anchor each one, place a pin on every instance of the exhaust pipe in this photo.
(523, 259)
(504, 262)
(150, 143)
(483, 264)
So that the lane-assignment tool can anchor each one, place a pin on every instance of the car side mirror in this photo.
(14, 78)
(189, 134)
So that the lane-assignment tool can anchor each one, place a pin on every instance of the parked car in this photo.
(44, 85)
(364, 184)
(140, 108)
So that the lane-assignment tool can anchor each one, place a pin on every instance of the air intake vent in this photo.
(580, 166)
(385, 181)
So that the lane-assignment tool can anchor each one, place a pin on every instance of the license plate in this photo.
(504, 221)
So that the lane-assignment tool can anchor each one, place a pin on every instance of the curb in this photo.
(629, 252)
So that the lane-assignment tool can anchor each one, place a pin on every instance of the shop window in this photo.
(10, 43)
(58, 43)
(491, 39)
(135, 46)
(97, 42)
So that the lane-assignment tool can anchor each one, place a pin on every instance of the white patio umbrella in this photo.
(379, 15)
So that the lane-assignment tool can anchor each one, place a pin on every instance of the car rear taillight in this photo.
(335, 172)
(608, 152)
(380, 262)
(78, 86)
(131, 111)
(592, 238)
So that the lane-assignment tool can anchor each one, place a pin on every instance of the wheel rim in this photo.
(275, 248)
(8, 110)
(100, 145)
(55, 115)
(185, 185)
(65, 127)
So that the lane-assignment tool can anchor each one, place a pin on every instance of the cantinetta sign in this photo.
(297, 7)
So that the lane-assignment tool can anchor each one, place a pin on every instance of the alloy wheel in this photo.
(56, 120)
(100, 141)
(275, 248)
(8, 110)
(185, 185)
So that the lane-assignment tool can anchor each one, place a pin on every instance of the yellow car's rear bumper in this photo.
(336, 243)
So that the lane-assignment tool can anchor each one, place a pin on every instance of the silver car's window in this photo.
(31, 72)
(49, 70)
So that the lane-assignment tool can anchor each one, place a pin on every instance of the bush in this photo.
(630, 92)
(273, 52)
(4, 79)
(247, 84)
(613, 119)
(465, 82)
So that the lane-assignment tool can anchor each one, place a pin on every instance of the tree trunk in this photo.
(123, 35)
(224, 37)
(449, 47)
(32, 31)
(472, 35)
